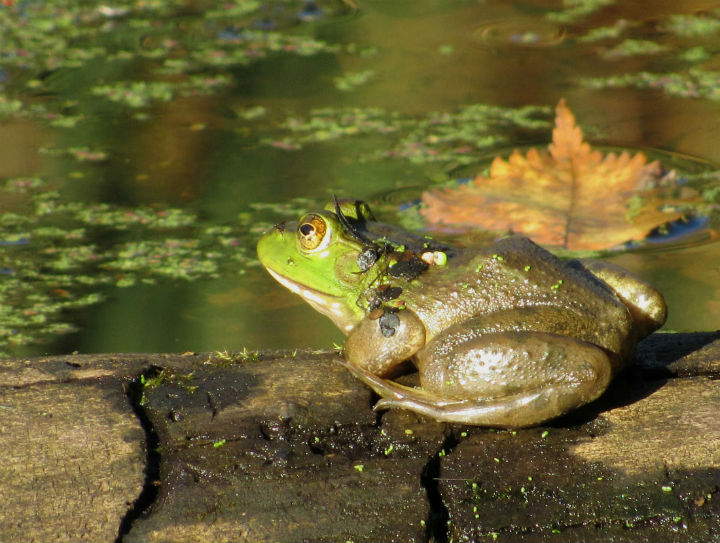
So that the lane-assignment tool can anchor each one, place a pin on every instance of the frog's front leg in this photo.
(378, 345)
(505, 379)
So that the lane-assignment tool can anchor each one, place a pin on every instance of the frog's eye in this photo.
(312, 234)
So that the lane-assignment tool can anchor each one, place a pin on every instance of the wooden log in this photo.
(285, 446)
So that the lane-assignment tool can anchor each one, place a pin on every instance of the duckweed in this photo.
(352, 80)
(74, 273)
(632, 47)
(577, 9)
(439, 137)
(693, 83)
(686, 25)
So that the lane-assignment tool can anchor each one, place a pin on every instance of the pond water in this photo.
(146, 144)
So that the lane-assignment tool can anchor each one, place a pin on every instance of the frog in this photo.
(502, 334)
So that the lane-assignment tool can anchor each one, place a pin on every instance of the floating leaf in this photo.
(568, 196)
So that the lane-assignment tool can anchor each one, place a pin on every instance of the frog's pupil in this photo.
(307, 229)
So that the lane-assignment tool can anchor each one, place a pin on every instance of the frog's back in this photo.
(515, 284)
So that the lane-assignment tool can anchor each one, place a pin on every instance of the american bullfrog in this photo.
(503, 335)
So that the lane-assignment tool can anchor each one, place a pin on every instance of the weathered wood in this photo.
(73, 461)
(646, 471)
(285, 447)
(72, 452)
(283, 450)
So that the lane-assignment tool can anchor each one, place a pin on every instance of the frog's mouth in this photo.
(331, 306)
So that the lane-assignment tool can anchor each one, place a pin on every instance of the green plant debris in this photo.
(226, 358)
(168, 376)
(577, 9)
(334, 123)
(138, 94)
(50, 268)
(249, 45)
(235, 8)
(352, 80)
(459, 137)
(606, 32)
(193, 58)
(252, 113)
(23, 184)
(123, 218)
(9, 106)
(82, 154)
(172, 258)
(694, 83)
(628, 48)
(693, 25)
(440, 136)
(695, 54)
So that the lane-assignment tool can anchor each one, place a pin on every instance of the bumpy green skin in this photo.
(505, 335)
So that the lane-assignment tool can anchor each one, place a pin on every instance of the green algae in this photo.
(189, 59)
(631, 47)
(605, 32)
(170, 258)
(82, 154)
(695, 54)
(693, 83)
(577, 9)
(137, 94)
(460, 136)
(686, 25)
(352, 80)
(50, 268)
(438, 137)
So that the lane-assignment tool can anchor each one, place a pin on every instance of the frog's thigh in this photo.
(646, 305)
(507, 379)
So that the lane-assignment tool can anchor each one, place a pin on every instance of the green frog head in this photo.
(326, 259)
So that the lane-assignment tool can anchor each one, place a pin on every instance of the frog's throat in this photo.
(333, 307)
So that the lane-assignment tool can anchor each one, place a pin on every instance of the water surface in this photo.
(145, 145)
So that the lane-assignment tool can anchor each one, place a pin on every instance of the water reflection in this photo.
(520, 33)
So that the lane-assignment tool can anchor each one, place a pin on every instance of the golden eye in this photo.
(311, 232)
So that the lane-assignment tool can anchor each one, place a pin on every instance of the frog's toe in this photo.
(381, 386)
(393, 394)
(510, 412)
(416, 399)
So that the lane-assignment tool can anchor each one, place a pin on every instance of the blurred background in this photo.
(145, 145)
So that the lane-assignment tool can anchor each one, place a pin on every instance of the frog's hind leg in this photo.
(505, 379)
(514, 411)
(390, 390)
(646, 305)
(481, 412)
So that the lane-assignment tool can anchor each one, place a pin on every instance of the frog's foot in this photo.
(646, 305)
(515, 411)
(481, 412)
(390, 391)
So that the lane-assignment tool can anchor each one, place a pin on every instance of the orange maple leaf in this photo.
(568, 196)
